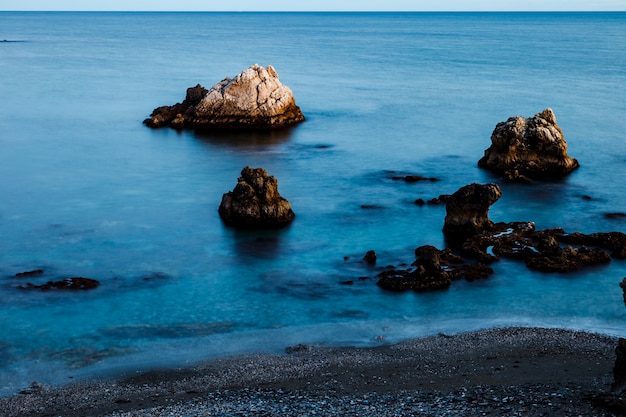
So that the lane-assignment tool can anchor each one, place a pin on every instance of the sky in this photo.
(316, 5)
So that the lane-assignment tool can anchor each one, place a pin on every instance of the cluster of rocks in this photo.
(72, 284)
(254, 99)
(478, 242)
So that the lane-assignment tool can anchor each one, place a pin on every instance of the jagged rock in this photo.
(614, 241)
(76, 283)
(370, 257)
(540, 250)
(623, 286)
(467, 211)
(255, 99)
(255, 202)
(524, 148)
(567, 259)
(434, 270)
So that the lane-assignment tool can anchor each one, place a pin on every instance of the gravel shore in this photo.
(499, 372)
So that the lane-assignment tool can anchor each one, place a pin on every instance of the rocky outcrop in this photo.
(434, 269)
(467, 211)
(528, 148)
(623, 286)
(541, 250)
(370, 257)
(255, 99)
(74, 284)
(255, 202)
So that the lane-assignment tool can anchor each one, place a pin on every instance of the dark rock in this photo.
(442, 199)
(615, 215)
(370, 257)
(619, 370)
(420, 202)
(524, 148)
(415, 178)
(540, 250)
(567, 259)
(26, 274)
(76, 283)
(623, 286)
(255, 202)
(434, 270)
(614, 241)
(174, 116)
(467, 211)
(253, 100)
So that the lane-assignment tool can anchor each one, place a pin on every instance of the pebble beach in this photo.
(497, 372)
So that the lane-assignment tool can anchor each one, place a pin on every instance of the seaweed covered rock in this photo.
(467, 211)
(254, 99)
(528, 148)
(255, 202)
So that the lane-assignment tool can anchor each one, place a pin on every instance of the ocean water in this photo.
(87, 190)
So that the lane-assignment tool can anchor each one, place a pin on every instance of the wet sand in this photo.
(513, 371)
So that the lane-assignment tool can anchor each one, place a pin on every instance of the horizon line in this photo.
(317, 11)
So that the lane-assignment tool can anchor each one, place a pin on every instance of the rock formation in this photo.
(467, 211)
(522, 149)
(255, 202)
(253, 100)
(434, 270)
(74, 284)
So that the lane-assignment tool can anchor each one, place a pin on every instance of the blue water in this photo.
(87, 190)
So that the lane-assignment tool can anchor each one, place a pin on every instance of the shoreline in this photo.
(502, 371)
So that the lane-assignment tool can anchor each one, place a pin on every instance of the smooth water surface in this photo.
(87, 190)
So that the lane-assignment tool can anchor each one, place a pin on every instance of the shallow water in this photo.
(87, 190)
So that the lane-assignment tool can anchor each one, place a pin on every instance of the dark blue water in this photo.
(87, 190)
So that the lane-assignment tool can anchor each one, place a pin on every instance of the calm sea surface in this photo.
(87, 190)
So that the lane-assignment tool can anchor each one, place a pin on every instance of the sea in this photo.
(87, 190)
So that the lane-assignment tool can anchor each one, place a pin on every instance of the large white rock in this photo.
(253, 99)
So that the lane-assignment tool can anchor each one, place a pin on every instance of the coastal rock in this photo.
(255, 99)
(467, 211)
(526, 148)
(33, 273)
(370, 257)
(434, 270)
(623, 286)
(255, 202)
(540, 250)
(76, 283)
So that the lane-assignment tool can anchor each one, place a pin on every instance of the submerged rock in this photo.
(525, 148)
(76, 283)
(255, 202)
(26, 274)
(254, 99)
(467, 211)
